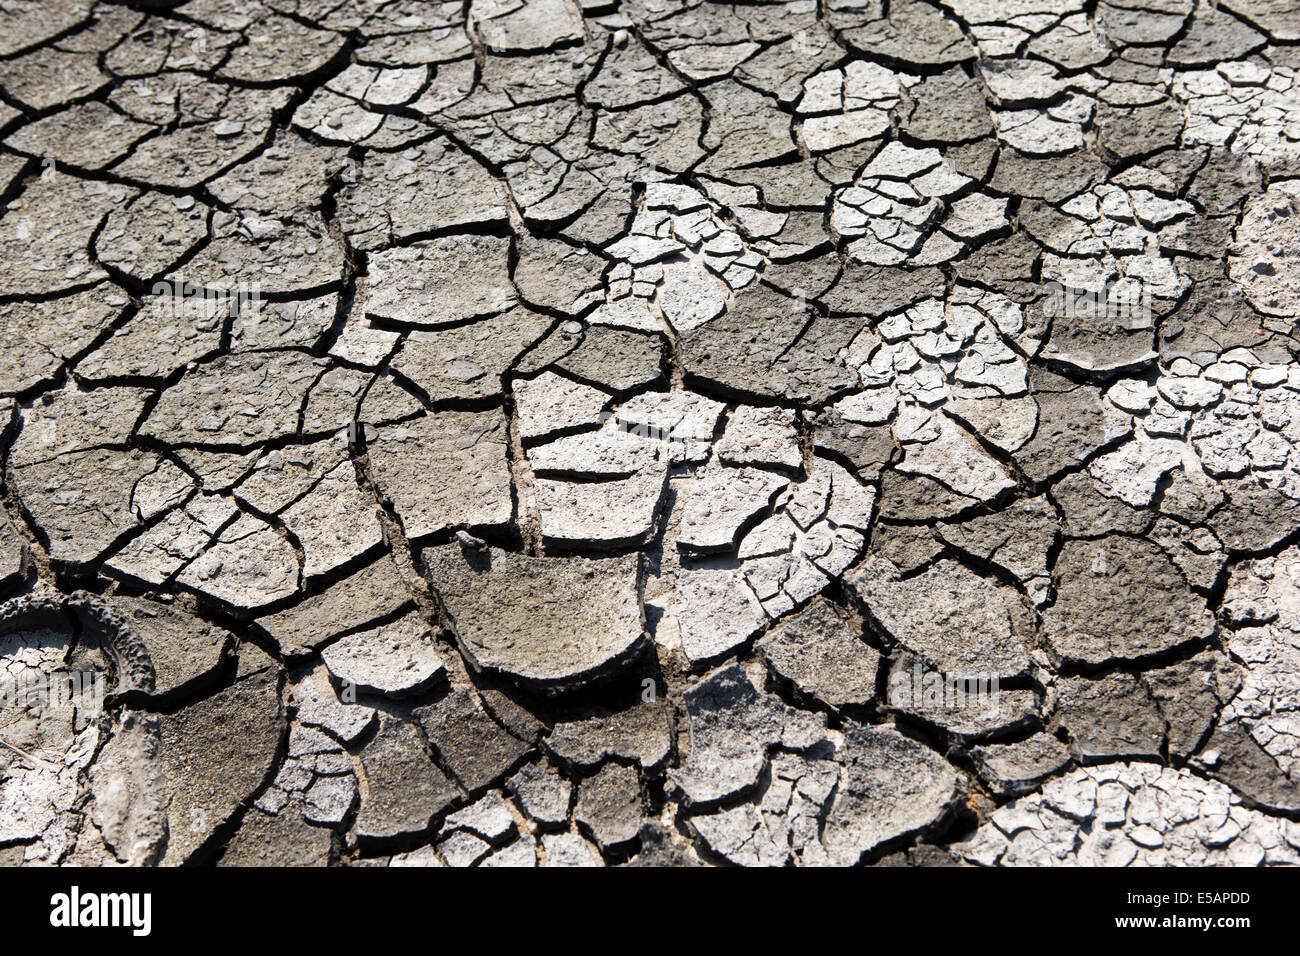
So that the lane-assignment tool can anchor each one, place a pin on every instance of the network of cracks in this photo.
(592, 432)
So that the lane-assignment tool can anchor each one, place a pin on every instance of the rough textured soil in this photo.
(581, 432)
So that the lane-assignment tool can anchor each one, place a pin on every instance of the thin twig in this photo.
(32, 758)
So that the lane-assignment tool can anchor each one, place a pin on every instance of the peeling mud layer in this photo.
(652, 432)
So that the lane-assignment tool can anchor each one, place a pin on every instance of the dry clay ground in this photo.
(580, 432)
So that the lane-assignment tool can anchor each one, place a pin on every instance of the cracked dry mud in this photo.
(552, 432)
